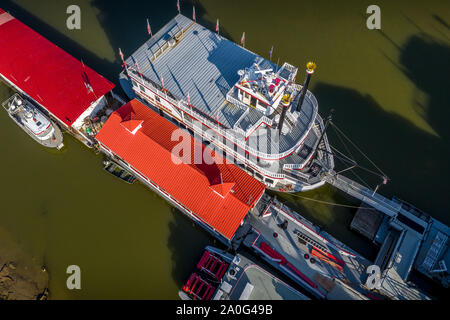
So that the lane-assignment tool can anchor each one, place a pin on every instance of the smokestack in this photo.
(285, 103)
(310, 66)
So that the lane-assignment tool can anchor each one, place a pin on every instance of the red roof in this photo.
(220, 194)
(47, 73)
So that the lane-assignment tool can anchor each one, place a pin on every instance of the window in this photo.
(269, 181)
(157, 98)
(258, 175)
(141, 88)
(253, 102)
(134, 83)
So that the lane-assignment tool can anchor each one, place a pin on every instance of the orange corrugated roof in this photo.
(219, 193)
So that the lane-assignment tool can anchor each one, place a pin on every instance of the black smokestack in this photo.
(310, 66)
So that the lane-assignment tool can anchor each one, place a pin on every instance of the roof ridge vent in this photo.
(132, 126)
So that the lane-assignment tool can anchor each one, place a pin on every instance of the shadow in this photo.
(441, 21)
(426, 62)
(414, 160)
(102, 66)
(126, 26)
(186, 242)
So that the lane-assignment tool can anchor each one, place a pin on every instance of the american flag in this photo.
(149, 30)
(243, 39)
(217, 26)
(270, 53)
(193, 13)
(178, 6)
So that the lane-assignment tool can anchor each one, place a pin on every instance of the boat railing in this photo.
(210, 122)
(327, 145)
(234, 101)
(262, 120)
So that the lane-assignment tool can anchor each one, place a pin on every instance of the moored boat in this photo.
(34, 122)
(222, 276)
(118, 171)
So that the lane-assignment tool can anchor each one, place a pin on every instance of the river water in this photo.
(389, 90)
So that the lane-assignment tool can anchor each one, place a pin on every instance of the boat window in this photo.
(157, 98)
(38, 123)
(253, 102)
(134, 83)
(258, 175)
(269, 181)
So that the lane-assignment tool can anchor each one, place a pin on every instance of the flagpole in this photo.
(123, 59)
(243, 39)
(149, 30)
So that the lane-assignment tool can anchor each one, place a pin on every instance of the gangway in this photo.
(364, 194)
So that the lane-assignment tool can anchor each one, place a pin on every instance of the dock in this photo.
(408, 237)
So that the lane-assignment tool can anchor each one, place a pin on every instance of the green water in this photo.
(389, 90)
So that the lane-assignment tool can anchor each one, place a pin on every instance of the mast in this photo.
(327, 123)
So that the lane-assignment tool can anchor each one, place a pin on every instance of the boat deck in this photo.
(311, 257)
(55, 141)
(323, 264)
(251, 282)
(185, 58)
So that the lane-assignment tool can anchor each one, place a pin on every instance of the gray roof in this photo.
(201, 63)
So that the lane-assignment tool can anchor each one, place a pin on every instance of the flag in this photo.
(178, 6)
(270, 53)
(193, 13)
(162, 82)
(188, 98)
(149, 30)
(87, 84)
(121, 56)
(137, 68)
(243, 39)
(217, 26)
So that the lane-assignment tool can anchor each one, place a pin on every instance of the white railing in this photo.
(235, 101)
(182, 105)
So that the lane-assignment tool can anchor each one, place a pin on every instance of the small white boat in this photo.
(34, 122)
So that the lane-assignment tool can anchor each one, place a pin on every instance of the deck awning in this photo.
(53, 78)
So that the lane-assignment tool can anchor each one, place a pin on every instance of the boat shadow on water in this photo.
(421, 157)
(186, 242)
